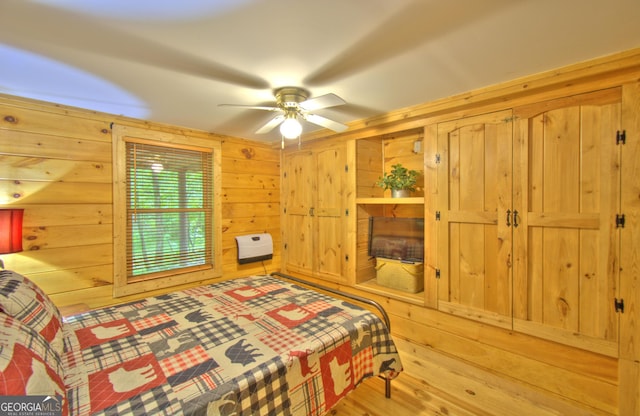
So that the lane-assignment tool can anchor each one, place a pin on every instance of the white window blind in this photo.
(169, 209)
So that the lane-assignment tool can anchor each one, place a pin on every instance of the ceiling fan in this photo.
(293, 103)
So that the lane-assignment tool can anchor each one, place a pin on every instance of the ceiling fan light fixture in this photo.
(293, 103)
(291, 128)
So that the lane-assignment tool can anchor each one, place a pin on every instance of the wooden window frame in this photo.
(122, 284)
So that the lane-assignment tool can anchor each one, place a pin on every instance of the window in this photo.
(168, 209)
(166, 212)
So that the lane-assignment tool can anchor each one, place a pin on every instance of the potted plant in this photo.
(401, 180)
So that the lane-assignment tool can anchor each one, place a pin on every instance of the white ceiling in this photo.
(175, 61)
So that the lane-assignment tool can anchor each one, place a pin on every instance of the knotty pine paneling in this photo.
(481, 364)
(250, 201)
(56, 163)
(56, 121)
(491, 370)
(50, 146)
(399, 149)
(369, 165)
(630, 254)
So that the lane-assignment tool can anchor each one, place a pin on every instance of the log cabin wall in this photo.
(508, 366)
(56, 163)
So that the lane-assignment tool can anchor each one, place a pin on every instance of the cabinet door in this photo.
(299, 194)
(474, 235)
(329, 214)
(567, 185)
(315, 221)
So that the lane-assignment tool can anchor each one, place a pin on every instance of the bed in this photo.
(257, 345)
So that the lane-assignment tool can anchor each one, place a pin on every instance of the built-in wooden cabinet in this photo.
(325, 224)
(525, 215)
(520, 211)
(474, 217)
(374, 156)
(567, 193)
(530, 205)
(315, 212)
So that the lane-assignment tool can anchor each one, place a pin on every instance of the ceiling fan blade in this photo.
(325, 122)
(271, 124)
(251, 107)
(403, 32)
(108, 41)
(322, 101)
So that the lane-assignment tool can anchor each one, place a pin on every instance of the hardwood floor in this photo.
(409, 397)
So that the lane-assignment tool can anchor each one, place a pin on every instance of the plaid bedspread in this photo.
(249, 346)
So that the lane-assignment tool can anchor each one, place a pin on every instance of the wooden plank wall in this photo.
(504, 371)
(250, 201)
(630, 254)
(56, 163)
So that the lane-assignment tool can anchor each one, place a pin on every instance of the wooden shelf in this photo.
(373, 287)
(390, 201)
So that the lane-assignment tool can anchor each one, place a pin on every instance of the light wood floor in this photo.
(409, 397)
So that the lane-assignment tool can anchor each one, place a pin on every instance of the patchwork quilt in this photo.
(248, 346)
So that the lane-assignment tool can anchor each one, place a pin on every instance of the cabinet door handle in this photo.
(508, 218)
(311, 211)
(515, 218)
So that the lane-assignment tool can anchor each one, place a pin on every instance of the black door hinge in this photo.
(346, 212)
(621, 137)
(620, 221)
(437, 158)
(437, 273)
(437, 215)
(618, 304)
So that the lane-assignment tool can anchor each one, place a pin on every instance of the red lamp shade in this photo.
(11, 230)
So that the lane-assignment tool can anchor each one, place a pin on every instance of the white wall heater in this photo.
(254, 247)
